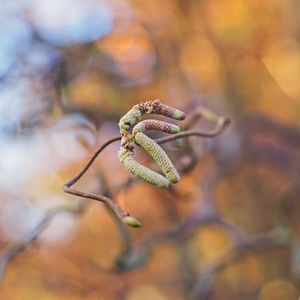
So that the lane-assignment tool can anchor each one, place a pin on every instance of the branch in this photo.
(113, 205)
(91, 160)
(187, 133)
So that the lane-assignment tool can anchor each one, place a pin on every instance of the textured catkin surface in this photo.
(158, 125)
(169, 112)
(141, 171)
(130, 118)
(129, 140)
(159, 155)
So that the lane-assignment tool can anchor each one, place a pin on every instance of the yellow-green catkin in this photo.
(129, 140)
(142, 172)
(159, 156)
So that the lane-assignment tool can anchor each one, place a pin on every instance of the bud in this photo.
(131, 221)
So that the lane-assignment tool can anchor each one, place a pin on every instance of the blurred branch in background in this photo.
(230, 229)
(204, 212)
(7, 254)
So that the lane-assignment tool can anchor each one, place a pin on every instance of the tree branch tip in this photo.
(132, 222)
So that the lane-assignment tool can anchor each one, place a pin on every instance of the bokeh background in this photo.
(69, 69)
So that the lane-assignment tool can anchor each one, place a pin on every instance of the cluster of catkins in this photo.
(132, 132)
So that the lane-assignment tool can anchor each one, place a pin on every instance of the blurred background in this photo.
(69, 69)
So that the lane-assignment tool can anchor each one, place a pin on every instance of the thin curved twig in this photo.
(109, 202)
(91, 160)
(113, 205)
(188, 133)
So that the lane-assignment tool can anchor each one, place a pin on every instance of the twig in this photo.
(109, 202)
(203, 112)
(91, 160)
(189, 133)
(113, 205)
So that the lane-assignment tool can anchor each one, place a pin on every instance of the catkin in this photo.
(169, 112)
(159, 156)
(142, 172)
(129, 140)
(152, 124)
